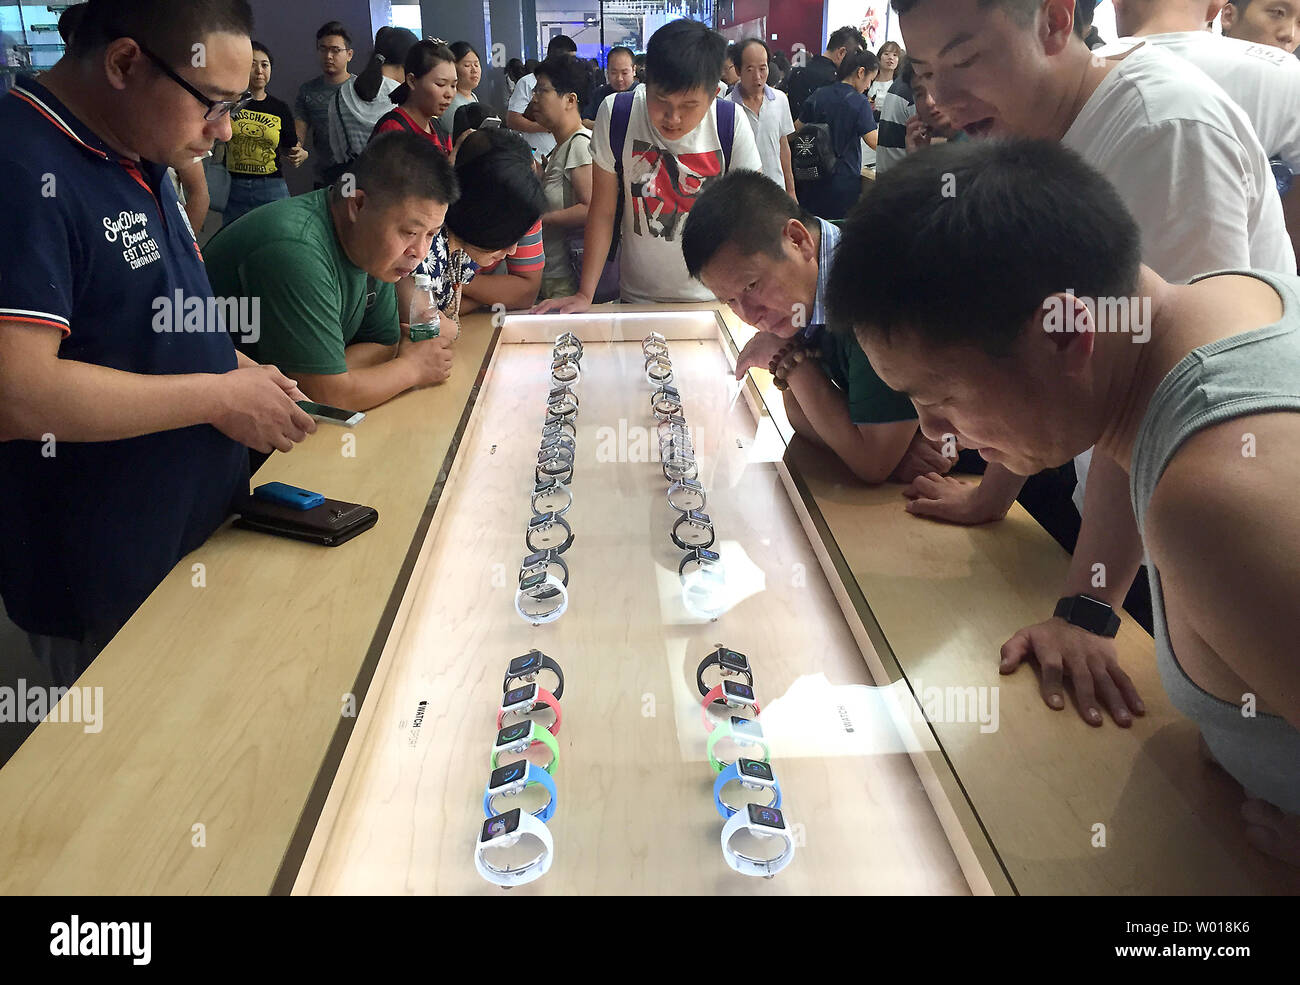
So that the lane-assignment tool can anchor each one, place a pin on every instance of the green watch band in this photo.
(725, 731)
(547, 740)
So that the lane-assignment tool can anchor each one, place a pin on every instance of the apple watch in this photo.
(565, 372)
(555, 467)
(512, 780)
(655, 345)
(523, 699)
(741, 732)
(559, 425)
(548, 563)
(685, 495)
(562, 402)
(558, 441)
(674, 424)
(752, 774)
(522, 737)
(541, 597)
(733, 695)
(699, 561)
(552, 452)
(568, 346)
(658, 371)
(693, 529)
(1088, 613)
(761, 823)
(503, 832)
(550, 532)
(550, 495)
(526, 668)
(653, 337)
(731, 662)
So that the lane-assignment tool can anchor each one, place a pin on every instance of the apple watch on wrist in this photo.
(731, 662)
(685, 495)
(752, 774)
(550, 495)
(526, 668)
(541, 597)
(524, 699)
(1088, 613)
(693, 529)
(512, 780)
(504, 831)
(733, 695)
(761, 823)
(741, 732)
(550, 532)
(521, 737)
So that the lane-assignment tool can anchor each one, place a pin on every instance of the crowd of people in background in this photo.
(891, 313)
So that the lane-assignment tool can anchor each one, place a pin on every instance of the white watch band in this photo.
(754, 867)
(516, 876)
(559, 602)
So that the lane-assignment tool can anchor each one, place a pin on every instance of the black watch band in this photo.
(1088, 613)
(540, 523)
(714, 659)
(535, 660)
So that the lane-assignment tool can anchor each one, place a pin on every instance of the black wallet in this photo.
(330, 524)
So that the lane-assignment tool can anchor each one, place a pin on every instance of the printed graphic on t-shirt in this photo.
(252, 148)
(665, 185)
(130, 230)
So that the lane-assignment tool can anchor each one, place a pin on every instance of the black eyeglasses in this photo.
(217, 108)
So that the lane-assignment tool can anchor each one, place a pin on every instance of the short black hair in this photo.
(736, 52)
(334, 29)
(848, 37)
(1021, 12)
(744, 208)
(270, 59)
(399, 165)
(70, 20)
(566, 74)
(469, 116)
(167, 28)
(1031, 210)
(559, 44)
(501, 198)
(684, 55)
(620, 49)
(855, 60)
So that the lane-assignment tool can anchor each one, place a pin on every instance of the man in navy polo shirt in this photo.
(124, 411)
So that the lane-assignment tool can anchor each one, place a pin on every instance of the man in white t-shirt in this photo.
(1263, 80)
(538, 137)
(768, 110)
(672, 149)
(1189, 167)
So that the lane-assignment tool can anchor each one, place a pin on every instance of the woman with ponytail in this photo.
(359, 103)
(424, 96)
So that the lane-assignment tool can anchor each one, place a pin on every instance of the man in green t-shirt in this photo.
(749, 243)
(321, 268)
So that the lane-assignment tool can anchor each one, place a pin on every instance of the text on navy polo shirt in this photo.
(88, 241)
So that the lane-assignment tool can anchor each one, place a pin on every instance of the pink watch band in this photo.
(544, 697)
(714, 695)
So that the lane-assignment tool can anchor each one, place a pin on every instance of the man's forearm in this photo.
(362, 389)
(517, 121)
(363, 355)
(572, 217)
(1108, 536)
(512, 290)
(827, 413)
(76, 401)
(999, 487)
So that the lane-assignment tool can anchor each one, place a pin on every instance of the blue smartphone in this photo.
(287, 495)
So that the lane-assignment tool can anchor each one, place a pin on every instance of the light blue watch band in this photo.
(730, 774)
(535, 774)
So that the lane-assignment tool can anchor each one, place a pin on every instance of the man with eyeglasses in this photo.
(125, 420)
(311, 108)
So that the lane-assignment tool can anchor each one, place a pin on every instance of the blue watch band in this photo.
(730, 774)
(535, 774)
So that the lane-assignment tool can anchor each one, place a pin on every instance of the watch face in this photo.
(546, 454)
(704, 554)
(508, 774)
(733, 660)
(746, 727)
(519, 695)
(535, 580)
(502, 824)
(537, 557)
(699, 517)
(749, 767)
(514, 733)
(529, 663)
(743, 692)
(542, 520)
(767, 817)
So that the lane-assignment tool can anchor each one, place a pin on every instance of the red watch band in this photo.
(714, 695)
(544, 697)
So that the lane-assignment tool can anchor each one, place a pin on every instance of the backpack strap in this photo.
(619, 118)
(726, 129)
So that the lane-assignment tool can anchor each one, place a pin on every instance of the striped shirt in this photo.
(896, 106)
(527, 258)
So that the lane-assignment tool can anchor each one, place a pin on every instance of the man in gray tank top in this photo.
(1039, 334)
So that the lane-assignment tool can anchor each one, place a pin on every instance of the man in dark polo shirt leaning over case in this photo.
(123, 424)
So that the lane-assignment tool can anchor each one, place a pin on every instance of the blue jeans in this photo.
(246, 194)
